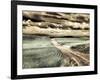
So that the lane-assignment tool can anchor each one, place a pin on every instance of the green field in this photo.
(39, 52)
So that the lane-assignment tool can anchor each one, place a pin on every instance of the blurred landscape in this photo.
(55, 39)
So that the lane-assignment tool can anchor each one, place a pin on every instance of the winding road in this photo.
(79, 59)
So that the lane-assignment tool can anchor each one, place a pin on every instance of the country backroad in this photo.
(79, 58)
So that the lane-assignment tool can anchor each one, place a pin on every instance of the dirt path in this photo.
(79, 59)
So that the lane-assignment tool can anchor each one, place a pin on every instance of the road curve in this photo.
(79, 58)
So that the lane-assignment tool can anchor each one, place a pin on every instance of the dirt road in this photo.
(77, 58)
